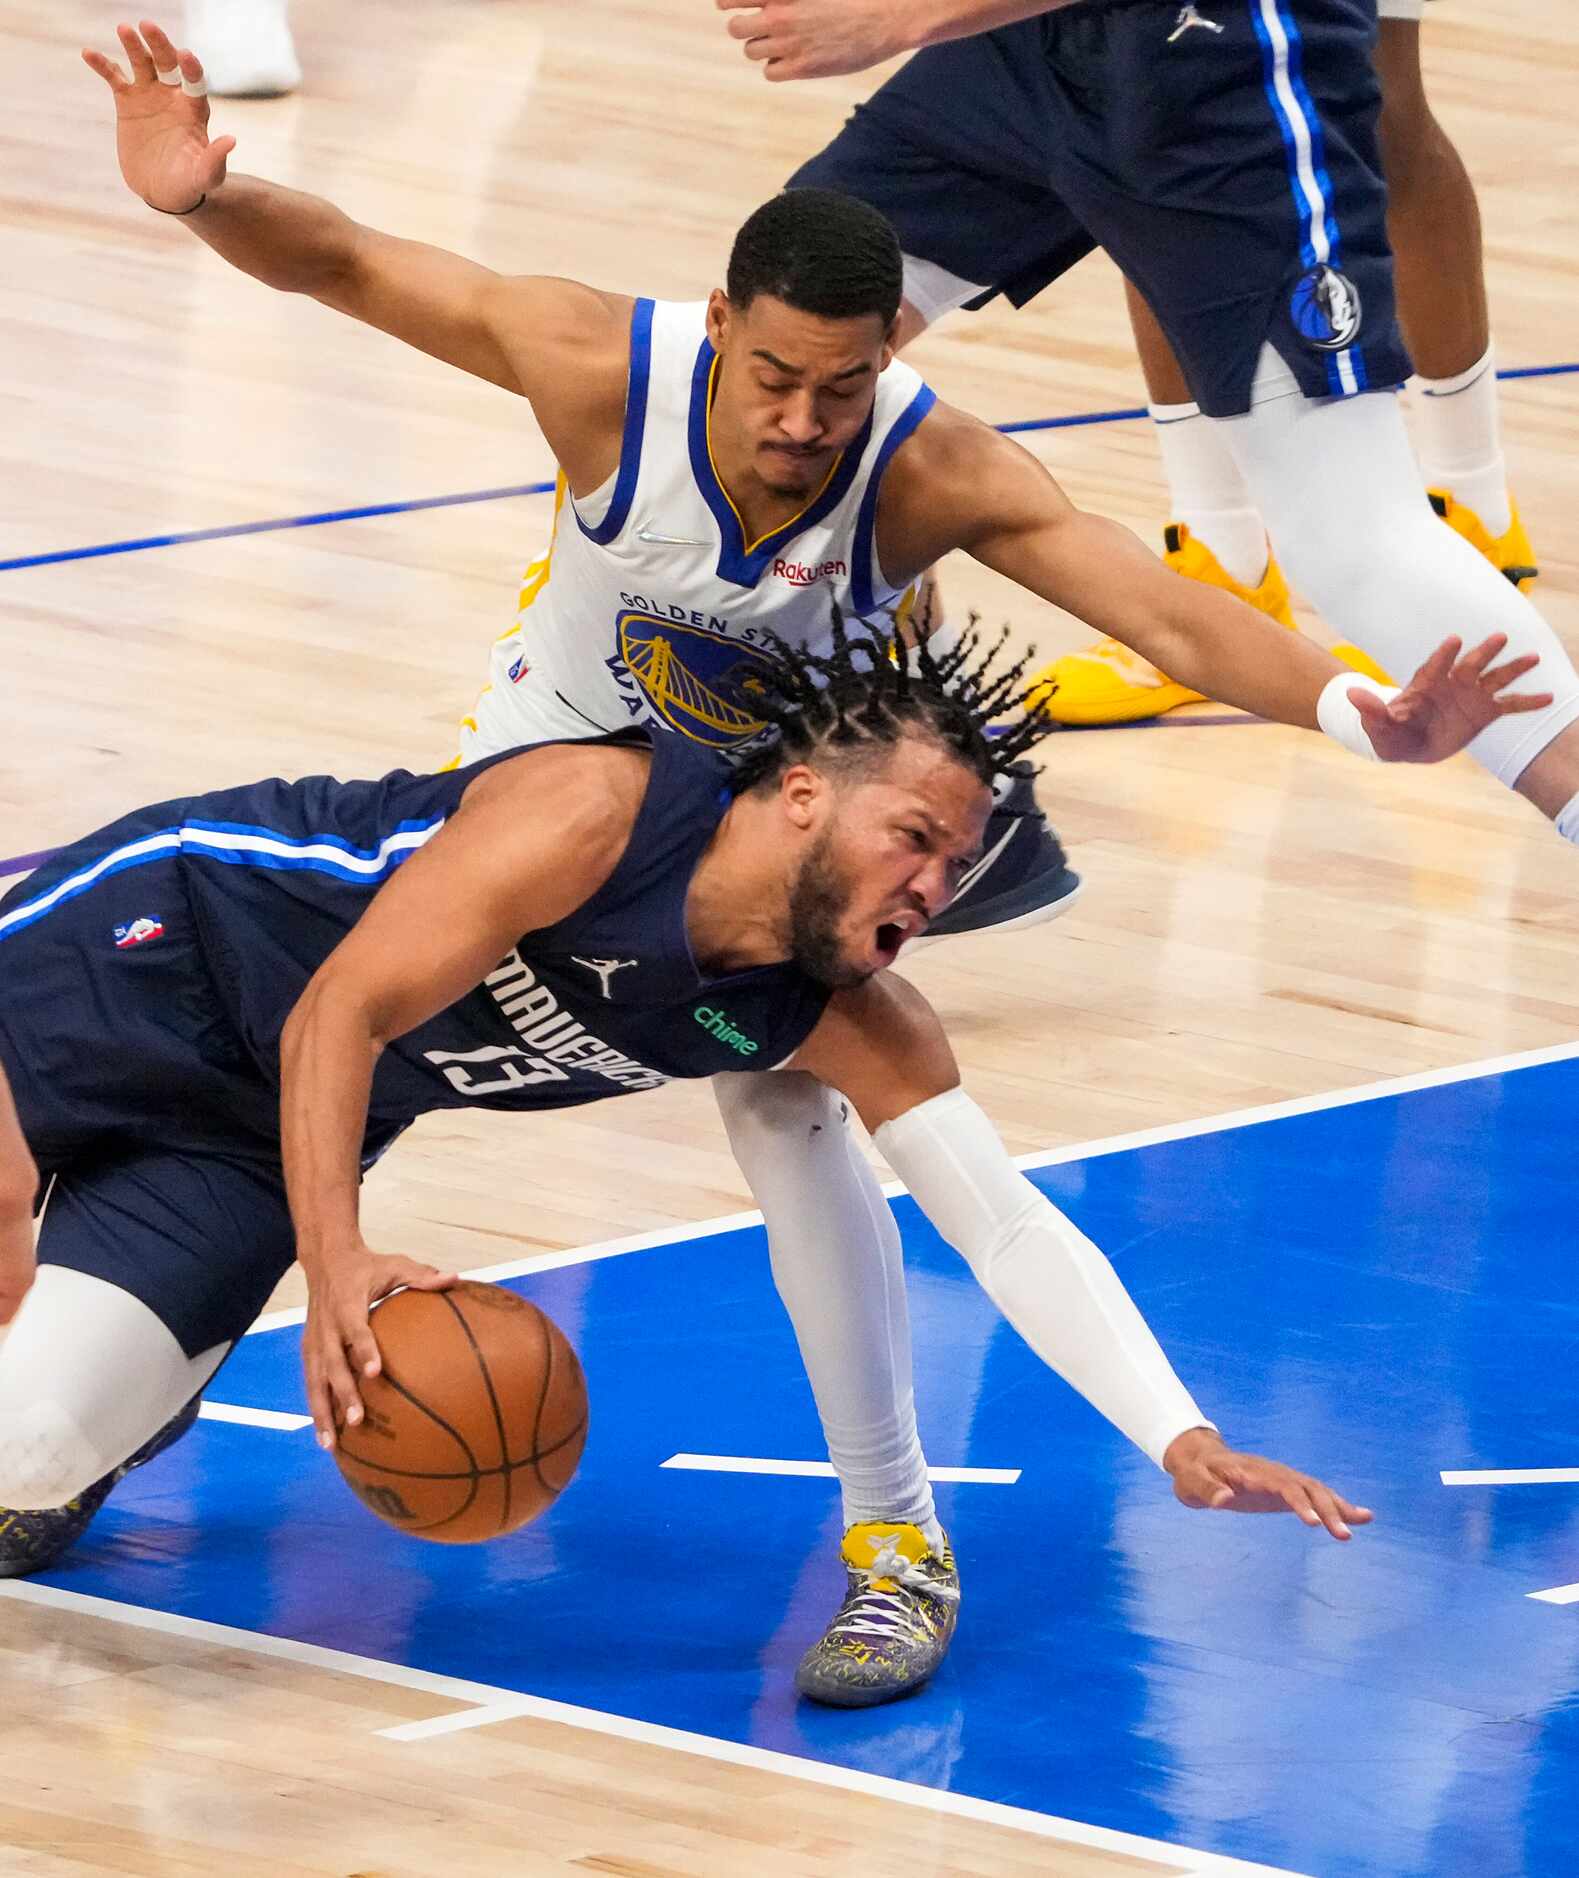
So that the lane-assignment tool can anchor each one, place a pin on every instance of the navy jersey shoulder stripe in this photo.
(236, 845)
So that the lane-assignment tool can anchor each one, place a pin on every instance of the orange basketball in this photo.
(477, 1420)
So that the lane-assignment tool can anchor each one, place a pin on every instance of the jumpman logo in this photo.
(1188, 17)
(605, 969)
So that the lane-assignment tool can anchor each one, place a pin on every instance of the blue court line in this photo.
(138, 544)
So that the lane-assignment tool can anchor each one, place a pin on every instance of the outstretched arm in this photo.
(529, 334)
(824, 38)
(18, 1190)
(884, 1048)
(957, 483)
(531, 841)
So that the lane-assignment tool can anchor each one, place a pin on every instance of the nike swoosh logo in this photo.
(669, 541)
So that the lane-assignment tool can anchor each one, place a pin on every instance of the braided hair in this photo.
(857, 701)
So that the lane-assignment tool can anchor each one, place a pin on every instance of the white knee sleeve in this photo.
(839, 1270)
(1337, 482)
(87, 1374)
(45, 1459)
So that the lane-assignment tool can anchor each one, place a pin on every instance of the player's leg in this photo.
(1339, 486)
(151, 1264)
(1434, 222)
(840, 1272)
(245, 45)
(92, 1385)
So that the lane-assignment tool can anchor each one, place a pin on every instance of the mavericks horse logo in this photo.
(1326, 309)
(699, 683)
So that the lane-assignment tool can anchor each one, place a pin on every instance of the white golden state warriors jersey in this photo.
(650, 605)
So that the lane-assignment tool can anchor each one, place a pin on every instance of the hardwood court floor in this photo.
(1265, 918)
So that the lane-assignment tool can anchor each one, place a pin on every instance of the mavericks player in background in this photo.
(217, 1012)
(1217, 533)
(730, 468)
(1227, 156)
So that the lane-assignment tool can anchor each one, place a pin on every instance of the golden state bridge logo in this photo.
(698, 682)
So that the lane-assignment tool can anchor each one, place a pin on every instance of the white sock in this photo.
(1340, 489)
(1207, 491)
(840, 1272)
(1568, 821)
(1459, 431)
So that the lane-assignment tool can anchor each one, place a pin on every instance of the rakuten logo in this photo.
(798, 574)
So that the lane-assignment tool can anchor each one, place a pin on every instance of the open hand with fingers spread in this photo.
(338, 1344)
(1208, 1473)
(1447, 703)
(161, 121)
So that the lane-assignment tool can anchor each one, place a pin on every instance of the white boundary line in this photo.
(253, 1417)
(1046, 1157)
(1509, 1476)
(1560, 1594)
(493, 1704)
(823, 1470)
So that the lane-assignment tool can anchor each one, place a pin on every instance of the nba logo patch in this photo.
(1326, 309)
(137, 933)
(518, 670)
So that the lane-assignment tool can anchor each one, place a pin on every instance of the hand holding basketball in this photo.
(161, 130)
(338, 1345)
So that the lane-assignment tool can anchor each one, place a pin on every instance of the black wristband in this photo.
(191, 211)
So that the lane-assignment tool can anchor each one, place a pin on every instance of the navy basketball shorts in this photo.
(1224, 153)
(154, 1131)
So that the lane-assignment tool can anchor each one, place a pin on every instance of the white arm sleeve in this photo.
(1042, 1272)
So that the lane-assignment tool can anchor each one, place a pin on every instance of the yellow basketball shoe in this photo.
(1512, 554)
(1109, 684)
(895, 1624)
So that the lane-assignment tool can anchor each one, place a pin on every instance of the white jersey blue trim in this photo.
(635, 427)
(863, 555)
(236, 844)
(741, 562)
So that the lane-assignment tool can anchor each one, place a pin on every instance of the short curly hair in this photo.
(821, 252)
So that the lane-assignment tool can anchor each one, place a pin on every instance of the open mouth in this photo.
(893, 933)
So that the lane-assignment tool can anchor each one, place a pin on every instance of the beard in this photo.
(818, 902)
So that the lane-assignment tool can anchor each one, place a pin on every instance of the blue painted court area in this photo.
(1377, 1291)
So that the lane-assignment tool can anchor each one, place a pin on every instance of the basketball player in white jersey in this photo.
(726, 467)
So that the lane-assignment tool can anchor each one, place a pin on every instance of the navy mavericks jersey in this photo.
(147, 970)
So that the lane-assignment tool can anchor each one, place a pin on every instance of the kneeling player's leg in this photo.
(1339, 487)
(151, 1264)
(88, 1374)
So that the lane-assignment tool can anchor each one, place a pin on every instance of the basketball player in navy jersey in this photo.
(727, 468)
(217, 1012)
(1227, 156)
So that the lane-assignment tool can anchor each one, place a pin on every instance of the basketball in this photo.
(476, 1422)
